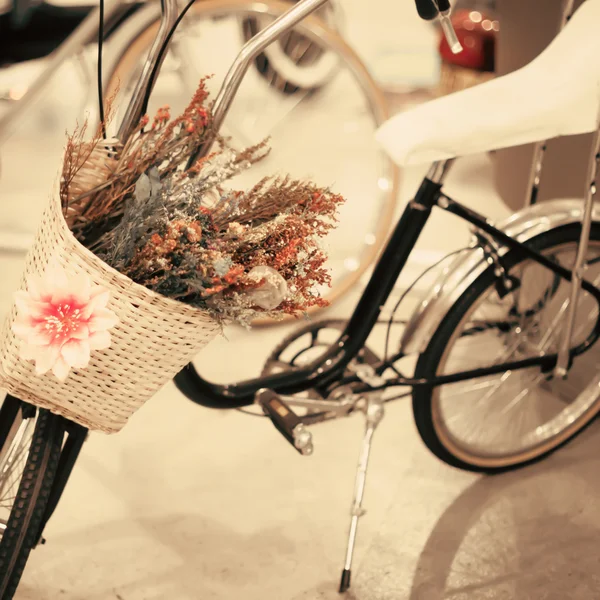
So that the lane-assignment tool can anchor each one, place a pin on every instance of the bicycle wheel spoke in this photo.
(456, 391)
(516, 410)
(12, 476)
(16, 457)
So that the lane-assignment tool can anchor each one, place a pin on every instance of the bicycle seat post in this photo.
(439, 170)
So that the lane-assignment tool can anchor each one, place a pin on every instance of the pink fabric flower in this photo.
(61, 318)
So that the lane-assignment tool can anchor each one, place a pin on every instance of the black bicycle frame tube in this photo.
(482, 223)
(332, 364)
(546, 362)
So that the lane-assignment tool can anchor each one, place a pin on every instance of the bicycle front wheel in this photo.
(505, 421)
(30, 444)
(325, 135)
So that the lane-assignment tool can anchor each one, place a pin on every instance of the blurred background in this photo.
(189, 503)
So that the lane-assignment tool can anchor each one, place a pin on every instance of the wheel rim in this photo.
(366, 217)
(516, 416)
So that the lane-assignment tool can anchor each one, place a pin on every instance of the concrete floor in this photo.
(192, 504)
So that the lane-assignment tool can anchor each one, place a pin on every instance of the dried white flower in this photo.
(222, 265)
(236, 228)
(271, 293)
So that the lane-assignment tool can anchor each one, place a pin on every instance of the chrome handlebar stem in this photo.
(245, 58)
(133, 114)
(235, 75)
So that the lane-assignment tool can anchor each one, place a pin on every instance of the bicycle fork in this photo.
(564, 349)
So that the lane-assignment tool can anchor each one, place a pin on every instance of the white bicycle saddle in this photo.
(557, 94)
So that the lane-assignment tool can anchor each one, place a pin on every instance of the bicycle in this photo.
(302, 70)
(527, 288)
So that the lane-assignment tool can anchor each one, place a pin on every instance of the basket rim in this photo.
(181, 307)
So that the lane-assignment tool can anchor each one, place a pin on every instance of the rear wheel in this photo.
(504, 421)
(30, 444)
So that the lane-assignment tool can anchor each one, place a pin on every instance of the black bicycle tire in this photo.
(429, 360)
(20, 535)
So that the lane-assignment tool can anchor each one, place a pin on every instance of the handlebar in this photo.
(440, 9)
(427, 9)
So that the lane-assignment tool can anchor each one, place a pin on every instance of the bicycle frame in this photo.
(330, 367)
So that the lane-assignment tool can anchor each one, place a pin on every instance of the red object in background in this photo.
(477, 34)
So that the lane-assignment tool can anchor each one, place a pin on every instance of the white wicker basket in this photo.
(154, 339)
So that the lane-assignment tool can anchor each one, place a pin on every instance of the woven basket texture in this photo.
(155, 338)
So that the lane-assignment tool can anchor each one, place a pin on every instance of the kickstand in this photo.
(374, 414)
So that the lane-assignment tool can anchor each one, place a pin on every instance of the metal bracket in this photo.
(491, 251)
(340, 407)
(367, 374)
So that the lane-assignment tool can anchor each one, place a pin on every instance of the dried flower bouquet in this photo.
(179, 231)
(141, 257)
